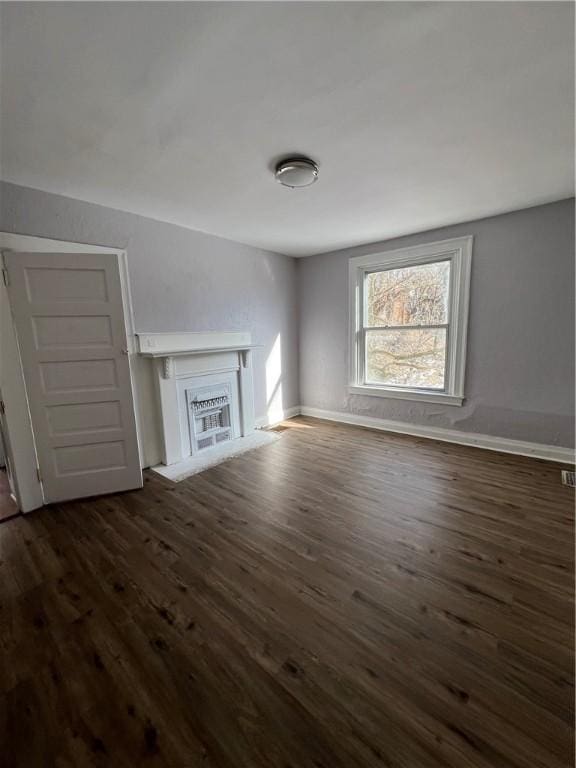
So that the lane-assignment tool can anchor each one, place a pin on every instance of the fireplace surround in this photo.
(204, 389)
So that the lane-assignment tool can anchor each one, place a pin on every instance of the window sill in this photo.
(405, 394)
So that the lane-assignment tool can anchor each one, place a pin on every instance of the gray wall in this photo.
(520, 367)
(181, 280)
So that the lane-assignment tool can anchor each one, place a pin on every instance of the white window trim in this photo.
(459, 252)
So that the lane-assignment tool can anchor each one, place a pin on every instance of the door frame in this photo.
(5, 445)
(28, 488)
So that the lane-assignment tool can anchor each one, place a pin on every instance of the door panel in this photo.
(83, 417)
(71, 460)
(79, 376)
(69, 320)
(66, 284)
(59, 332)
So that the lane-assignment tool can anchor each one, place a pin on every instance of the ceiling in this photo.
(418, 114)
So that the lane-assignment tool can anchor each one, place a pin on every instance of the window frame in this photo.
(458, 251)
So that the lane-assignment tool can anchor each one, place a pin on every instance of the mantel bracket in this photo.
(167, 367)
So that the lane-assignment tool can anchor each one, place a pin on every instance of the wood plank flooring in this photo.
(342, 598)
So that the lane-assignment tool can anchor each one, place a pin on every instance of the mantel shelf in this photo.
(166, 347)
(206, 351)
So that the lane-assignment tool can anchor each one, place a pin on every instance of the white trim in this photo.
(488, 442)
(187, 342)
(459, 252)
(424, 396)
(198, 352)
(19, 441)
(264, 422)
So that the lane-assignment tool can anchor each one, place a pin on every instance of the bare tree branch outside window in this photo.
(406, 325)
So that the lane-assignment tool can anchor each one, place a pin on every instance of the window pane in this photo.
(409, 295)
(406, 358)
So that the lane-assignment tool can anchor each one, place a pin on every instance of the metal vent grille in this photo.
(205, 442)
(569, 478)
(212, 421)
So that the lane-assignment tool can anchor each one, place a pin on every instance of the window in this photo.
(408, 318)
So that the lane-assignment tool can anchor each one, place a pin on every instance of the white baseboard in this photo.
(488, 442)
(271, 420)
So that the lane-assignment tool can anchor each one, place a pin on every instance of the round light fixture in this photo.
(296, 172)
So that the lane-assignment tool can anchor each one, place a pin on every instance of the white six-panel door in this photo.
(69, 320)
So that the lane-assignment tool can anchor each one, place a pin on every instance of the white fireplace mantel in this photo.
(179, 356)
(167, 346)
(167, 356)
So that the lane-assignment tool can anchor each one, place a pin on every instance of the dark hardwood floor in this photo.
(342, 598)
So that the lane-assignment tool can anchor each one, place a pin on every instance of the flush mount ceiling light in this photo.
(296, 172)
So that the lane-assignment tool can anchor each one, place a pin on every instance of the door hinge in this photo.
(39, 474)
(5, 276)
(2, 408)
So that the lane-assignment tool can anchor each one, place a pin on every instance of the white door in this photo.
(69, 320)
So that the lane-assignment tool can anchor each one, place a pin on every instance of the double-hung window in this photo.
(408, 322)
